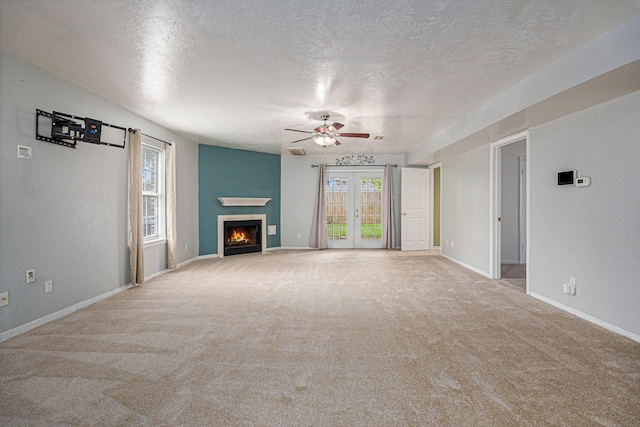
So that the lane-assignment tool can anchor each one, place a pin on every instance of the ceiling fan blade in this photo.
(303, 139)
(296, 130)
(337, 125)
(353, 135)
(337, 142)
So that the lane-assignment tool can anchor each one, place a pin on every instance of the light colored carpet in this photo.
(320, 338)
(516, 274)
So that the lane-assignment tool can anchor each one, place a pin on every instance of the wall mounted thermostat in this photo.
(583, 181)
(567, 177)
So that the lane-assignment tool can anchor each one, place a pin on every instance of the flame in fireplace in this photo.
(238, 235)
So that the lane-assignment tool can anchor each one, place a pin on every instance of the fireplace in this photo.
(242, 237)
(241, 234)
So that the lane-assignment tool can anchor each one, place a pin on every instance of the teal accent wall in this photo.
(225, 172)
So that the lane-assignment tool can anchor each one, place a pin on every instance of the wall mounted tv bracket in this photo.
(67, 130)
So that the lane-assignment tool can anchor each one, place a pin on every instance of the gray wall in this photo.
(591, 233)
(64, 212)
(298, 195)
(465, 208)
(510, 198)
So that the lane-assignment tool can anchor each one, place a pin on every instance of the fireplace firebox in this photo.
(241, 237)
(261, 234)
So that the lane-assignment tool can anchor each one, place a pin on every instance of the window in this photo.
(152, 193)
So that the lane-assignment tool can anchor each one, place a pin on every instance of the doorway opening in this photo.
(509, 209)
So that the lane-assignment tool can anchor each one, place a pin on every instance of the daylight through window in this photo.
(151, 193)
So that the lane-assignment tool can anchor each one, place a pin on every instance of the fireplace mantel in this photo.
(243, 201)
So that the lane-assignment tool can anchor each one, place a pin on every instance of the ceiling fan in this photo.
(326, 135)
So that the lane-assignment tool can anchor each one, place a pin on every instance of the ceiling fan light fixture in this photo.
(325, 135)
(324, 140)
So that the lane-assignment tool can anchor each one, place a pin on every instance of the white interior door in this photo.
(354, 209)
(415, 222)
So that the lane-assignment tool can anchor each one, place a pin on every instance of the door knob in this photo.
(404, 213)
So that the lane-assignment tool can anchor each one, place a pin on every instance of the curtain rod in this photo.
(353, 166)
(152, 137)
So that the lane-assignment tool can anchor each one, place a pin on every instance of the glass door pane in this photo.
(369, 211)
(337, 194)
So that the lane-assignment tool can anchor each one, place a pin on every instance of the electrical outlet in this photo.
(48, 286)
(271, 230)
(452, 243)
(186, 246)
(299, 236)
(24, 152)
(31, 276)
(572, 280)
(569, 288)
(4, 299)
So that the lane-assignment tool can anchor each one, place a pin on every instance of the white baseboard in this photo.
(61, 313)
(587, 317)
(180, 265)
(297, 248)
(465, 265)
(510, 261)
(156, 274)
(187, 262)
(211, 256)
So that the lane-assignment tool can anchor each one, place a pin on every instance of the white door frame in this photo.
(433, 167)
(522, 210)
(495, 202)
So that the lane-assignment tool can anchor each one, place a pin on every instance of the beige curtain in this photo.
(136, 239)
(319, 237)
(388, 227)
(170, 176)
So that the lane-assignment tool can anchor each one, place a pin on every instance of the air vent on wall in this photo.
(378, 137)
(297, 151)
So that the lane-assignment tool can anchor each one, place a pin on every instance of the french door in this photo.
(354, 209)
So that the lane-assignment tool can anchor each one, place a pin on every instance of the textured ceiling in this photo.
(236, 73)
